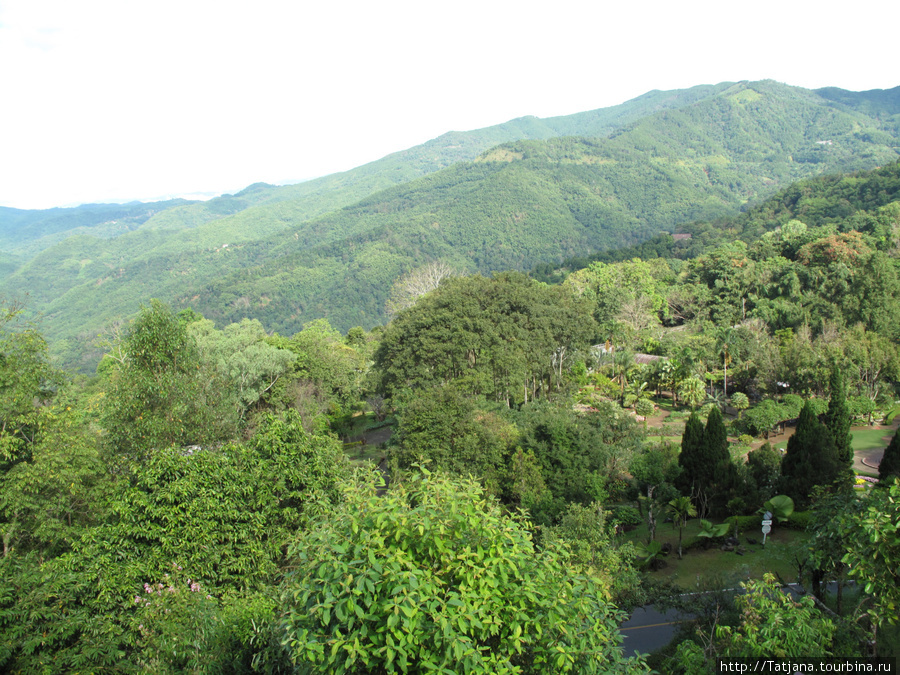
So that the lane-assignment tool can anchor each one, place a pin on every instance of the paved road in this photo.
(648, 629)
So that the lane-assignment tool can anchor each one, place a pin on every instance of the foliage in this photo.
(890, 461)
(872, 543)
(681, 509)
(740, 401)
(655, 471)
(774, 625)
(506, 337)
(159, 396)
(706, 469)
(589, 534)
(831, 515)
(764, 416)
(811, 459)
(47, 502)
(780, 506)
(580, 454)
(710, 531)
(27, 382)
(241, 357)
(692, 391)
(765, 468)
(226, 516)
(434, 576)
(837, 418)
(443, 427)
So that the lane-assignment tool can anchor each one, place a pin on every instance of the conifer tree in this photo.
(837, 419)
(811, 458)
(704, 458)
(691, 458)
(723, 480)
(890, 462)
(716, 438)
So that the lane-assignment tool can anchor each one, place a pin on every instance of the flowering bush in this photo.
(174, 621)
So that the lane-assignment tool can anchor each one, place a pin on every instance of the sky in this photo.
(119, 100)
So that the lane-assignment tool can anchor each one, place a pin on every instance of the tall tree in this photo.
(837, 419)
(158, 396)
(27, 383)
(507, 337)
(890, 462)
(811, 458)
(703, 459)
(691, 460)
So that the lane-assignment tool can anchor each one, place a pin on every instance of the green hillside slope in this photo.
(527, 202)
(517, 204)
(317, 197)
(26, 232)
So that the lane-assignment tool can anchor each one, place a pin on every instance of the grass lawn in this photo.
(864, 439)
(869, 439)
(777, 556)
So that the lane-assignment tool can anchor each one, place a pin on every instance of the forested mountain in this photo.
(25, 232)
(667, 159)
(191, 507)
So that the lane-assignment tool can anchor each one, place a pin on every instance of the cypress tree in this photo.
(811, 458)
(722, 479)
(890, 462)
(715, 440)
(837, 419)
(691, 457)
(703, 459)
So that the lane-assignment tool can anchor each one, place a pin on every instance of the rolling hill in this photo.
(562, 187)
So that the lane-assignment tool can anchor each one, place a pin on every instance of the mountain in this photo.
(24, 233)
(332, 247)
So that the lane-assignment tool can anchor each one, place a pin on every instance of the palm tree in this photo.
(726, 341)
(692, 391)
(681, 509)
(740, 402)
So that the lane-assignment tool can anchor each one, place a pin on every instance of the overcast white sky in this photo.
(113, 100)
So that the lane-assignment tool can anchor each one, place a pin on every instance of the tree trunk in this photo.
(651, 517)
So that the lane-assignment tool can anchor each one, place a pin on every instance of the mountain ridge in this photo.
(546, 200)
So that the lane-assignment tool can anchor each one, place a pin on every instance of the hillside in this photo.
(24, 233)
(682, 156)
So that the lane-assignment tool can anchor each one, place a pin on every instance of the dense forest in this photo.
(474, 487)
(553, 189)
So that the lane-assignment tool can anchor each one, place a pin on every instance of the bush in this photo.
(798, 520)
(744, 523)
(627, 517)
(435, 576)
